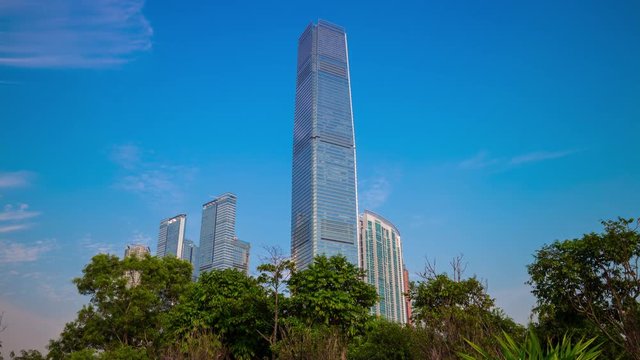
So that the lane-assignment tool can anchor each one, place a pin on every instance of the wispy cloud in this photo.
(375, 192)
(21, 212)
(127, 155)
(153, 180)
(72, 33)
(14, 252)
(12, 228)
(483, 159)
(478, 161)
(540, 156)
(97, 247)
(15, 179)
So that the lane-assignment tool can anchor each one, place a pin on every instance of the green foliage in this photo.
(383, 340)
(198, 345)
(592, 283)
(447, 311)
(274, 275)
(302, 342)
(331, 292)
(531, 349)
(128, 303)
(230, 305)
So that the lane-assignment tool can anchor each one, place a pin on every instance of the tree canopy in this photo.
(593, 279)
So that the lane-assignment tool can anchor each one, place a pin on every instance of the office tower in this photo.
(381, 258)
(218, 242)
(171, 236)
(324, 213)
(190, 254)
(137, 250)
(241, 255)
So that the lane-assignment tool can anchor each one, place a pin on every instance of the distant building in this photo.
(241, 255)
(381, 257)
(190, 254)
(219, 247)
(137, 250)
(407, 297)
(324, 206)
(171, 236)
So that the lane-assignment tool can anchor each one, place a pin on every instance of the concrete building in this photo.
(381, 257)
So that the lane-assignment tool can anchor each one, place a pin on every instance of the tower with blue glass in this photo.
(324, 210)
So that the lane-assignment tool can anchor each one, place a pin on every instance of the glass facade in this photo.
(190, 254)
(218, 242)
(324, 213)
(381, 257)
(171, 236)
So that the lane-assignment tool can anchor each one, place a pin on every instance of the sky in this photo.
(482, 128)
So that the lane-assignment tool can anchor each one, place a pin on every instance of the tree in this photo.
(229, 305)
(593, 279)
(383, 340)
(129, 299)
(331, 292)
(27, 355)
(446, 311)
(274, 276)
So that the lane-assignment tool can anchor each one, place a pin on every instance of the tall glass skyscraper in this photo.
(381, 257)
(171, 236)
(190, 254)
(218, 242)
(324, 210)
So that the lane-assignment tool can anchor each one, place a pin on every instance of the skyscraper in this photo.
(381, 258)
(171, 236)
(324, 211)
(241, 255)
(218, 242)
(190, 254)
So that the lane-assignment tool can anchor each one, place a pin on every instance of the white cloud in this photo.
(15, 179)
(20, 212)
(97, 247)
(375, 193)
(72, 33)
(12, 228)
(155, 181)
(13, 252)
(483, 159)
(479, 161)
(539, 156)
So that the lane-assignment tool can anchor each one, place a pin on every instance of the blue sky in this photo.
(482, 128)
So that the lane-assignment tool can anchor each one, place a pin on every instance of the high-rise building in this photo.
(190, 254)
(381, 258)
(241, 255)
(171, 236)
(324, 210)
(137, 250)
(218, 242)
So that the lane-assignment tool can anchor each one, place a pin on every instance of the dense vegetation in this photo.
(587, 308)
